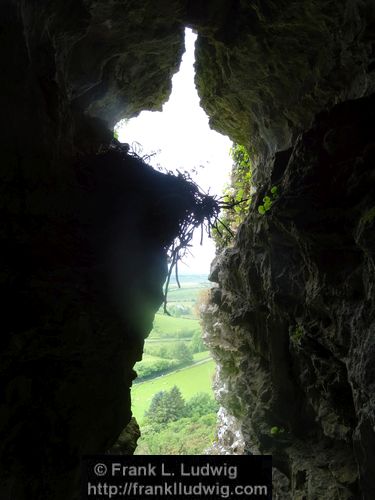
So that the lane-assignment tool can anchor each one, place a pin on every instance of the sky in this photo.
(183, 140)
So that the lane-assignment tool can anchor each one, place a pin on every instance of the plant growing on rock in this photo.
(276, 431)
(268, 201)
(238, 193)
(297, 335)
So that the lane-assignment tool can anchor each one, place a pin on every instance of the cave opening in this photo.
(173, 395)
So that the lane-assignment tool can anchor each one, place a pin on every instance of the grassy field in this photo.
(199, 356)
(157, 342)
(169, 331)
(189, 380)
(168, 325)
(149, 359)
(191, 286)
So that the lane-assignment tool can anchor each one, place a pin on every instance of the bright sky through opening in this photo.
(181, 136)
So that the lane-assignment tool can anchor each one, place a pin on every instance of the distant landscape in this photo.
(172, 397)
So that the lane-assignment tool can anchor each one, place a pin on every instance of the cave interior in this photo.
(84, 233)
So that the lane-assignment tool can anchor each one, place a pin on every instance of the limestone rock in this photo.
(292, 322)
(124, 59)
(265, 69)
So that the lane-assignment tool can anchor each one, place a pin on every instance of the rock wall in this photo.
(79, 303)
(265, 68)
(83, 261)
(292, 320)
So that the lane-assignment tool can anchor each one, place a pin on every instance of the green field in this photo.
(198, 356)
(191, 286)
(168, 332)
(165, 325)
(189, 380)
(176, 350)
(158, 342)
(148, 359)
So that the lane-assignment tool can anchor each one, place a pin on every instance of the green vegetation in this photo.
(200, 356)
(173, 426)
(268, 201)
(174, 327)
(276, 431)
(239, 192)
(182, 295)
(186, 436)
(190, 380)
(171, 349)
(297, 335)
(169, 356)
(183, 353)
(147, 369)
(200, 404)
(172, 396)
(166, 406)
(175, 339)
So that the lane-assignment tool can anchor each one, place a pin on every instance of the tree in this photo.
(201, 404)
(175, 403)
(183, 353)
(166, 406)
(158, 411)
(163, 352)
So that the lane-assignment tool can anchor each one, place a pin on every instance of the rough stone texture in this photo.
(127, 441)
(265, 68)
(69, 255)
(292, 321)
(107, 59)
(229, 435)
(75, 307)
(125, 58)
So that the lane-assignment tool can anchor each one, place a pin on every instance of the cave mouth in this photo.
(172, 395)
(180, 139)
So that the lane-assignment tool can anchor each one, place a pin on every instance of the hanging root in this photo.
(204, 212)
(194, 208)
